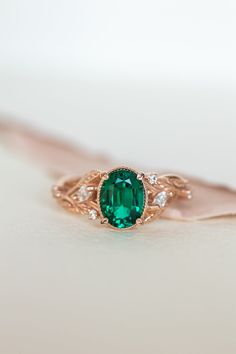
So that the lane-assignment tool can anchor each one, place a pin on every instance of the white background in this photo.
(151, 82)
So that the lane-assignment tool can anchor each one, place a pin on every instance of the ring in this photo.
(121, 198)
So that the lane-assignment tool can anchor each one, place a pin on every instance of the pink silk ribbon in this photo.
(59, 158)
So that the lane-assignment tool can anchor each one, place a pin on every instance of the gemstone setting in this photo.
(93, 214)
(83, 194)
(122, 198)
(152, 178)
(161, 199)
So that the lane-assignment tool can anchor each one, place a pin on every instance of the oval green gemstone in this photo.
(122, 198)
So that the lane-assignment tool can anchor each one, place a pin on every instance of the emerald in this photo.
(122, 198)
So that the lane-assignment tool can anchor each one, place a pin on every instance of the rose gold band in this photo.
(80, 194)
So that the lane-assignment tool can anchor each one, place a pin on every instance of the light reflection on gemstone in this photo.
(83, 194)
(161, 199)
(93, 214)
(153, 178)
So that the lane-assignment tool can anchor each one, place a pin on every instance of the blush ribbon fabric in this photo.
(58, 158)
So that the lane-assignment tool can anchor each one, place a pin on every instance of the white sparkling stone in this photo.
(93, 214)
(161, 199)
(83, 194)
(153, 178)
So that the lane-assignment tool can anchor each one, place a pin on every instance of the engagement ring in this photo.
(121, 198)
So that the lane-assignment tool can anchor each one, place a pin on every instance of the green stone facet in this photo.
(122, 198)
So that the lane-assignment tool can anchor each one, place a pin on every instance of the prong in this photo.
(139, 221)
(105, 176)
(104, 221)
(140, 175)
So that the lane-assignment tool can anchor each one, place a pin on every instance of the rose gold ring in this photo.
(122, 197)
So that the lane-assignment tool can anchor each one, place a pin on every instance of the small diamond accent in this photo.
(83, 194)
(153, 178)
(93, 214)
(161, 199)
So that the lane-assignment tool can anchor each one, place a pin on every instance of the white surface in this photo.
(69, 286)
(183, 39)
